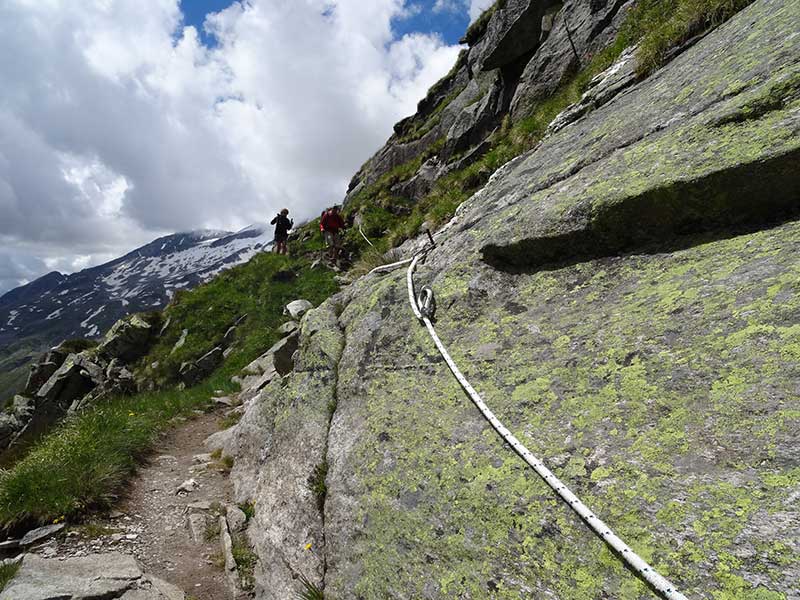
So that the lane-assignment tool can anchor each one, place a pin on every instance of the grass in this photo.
(476, 30)
(255, 289)
(245, 560)
(249, 510)
(84, 463)
(660, 25)
(7, 573)
(309, 591)
(230, 420)
(317, 485)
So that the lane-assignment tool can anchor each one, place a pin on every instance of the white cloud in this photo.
(117, 125)
(450, 6)
(476, 7)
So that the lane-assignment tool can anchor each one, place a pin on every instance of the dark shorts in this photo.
(281, 238)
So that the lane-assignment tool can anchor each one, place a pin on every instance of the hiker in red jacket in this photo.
(332, 223)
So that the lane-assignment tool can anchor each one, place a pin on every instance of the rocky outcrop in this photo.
(66, 381)
(192, 372)
(522, 55)
(107, 576)
(580, 30)
(281, 453)
(625, 299)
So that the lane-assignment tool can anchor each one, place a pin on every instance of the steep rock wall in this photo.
(625, 297)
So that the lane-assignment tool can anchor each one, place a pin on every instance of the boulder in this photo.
(278, 359)
(474, 122)
(112, 575)
(192, 373)
(128, 339)
(236, 518)
(297, 308)
(41, 534)
(70, 382)
(653, 364)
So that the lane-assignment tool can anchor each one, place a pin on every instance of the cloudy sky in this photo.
(123, 120)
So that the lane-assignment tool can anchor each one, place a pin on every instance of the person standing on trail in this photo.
(282, 226)
(332, 223)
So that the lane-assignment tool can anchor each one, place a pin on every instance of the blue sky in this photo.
(449, 24)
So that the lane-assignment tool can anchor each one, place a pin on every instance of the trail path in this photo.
(151, 522)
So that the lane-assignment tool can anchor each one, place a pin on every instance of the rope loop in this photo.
(426, 302)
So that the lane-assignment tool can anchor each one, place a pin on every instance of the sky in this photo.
(124, 120)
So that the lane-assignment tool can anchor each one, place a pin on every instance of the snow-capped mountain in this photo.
(85, 304)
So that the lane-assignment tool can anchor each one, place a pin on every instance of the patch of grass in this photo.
(317, 485)
(211, 530)
(245, 560)
(310, 591)
(230, 420)
(7, 573)
(210, 309)
(216, 454)
(249, 510)
(84, 463)
(218, 559)
(226, 464)
(660, 25)
(93, 531)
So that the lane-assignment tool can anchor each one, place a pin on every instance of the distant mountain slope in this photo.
(86, 304)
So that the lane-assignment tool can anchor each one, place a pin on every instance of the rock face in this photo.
(97, 576)
(625, 298)
(526, 50)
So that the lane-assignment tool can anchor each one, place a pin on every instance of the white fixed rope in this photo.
(659, 584)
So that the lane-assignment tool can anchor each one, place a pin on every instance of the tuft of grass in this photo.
(476, 30)
(218, 559)
(94, 531)
(310, 591)
(245, 560)
(216, 454)
(661, 25)
(211, 530)
(226, 464)
(317, 485)
(230, 420)
(249, 510)
(84, 463)
(7, 573)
